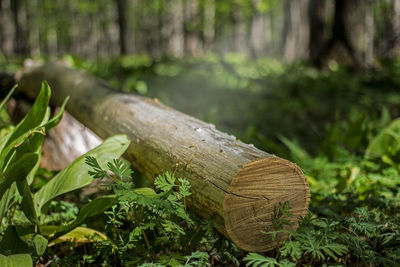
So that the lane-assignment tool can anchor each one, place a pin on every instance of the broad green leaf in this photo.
(40, 244)
(34, 142)
(76, 175)
(18, 171)
(91, 209)
(5, 200)
(36, 115)
(11, 243)
(17, 260)
(80, 235)
(386, 142)
(9, 150)
(5, 133)
(48, 230)
(31, 176)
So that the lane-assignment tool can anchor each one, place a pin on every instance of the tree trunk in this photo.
(369, 35)
(239, 30)
(121, 11)
(237, 184)
(209, 26)
(172, 28)
(20, 38)
(259, 31)
(317, 20)
(2, 31)
(394, 45)
(192, 27)
(296, 30)
(347, 44)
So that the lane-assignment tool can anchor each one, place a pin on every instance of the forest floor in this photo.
(339, 126)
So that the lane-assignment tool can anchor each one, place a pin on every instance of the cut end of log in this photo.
(253, 200)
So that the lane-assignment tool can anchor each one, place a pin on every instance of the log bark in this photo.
(236, 184)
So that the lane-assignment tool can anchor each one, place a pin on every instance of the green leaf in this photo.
(80, 235)
(40, 244)
(11, 243)
(36, 115)
(386, 142)
(91, 209)
(34, 142)
(5, 200)
(9, 150)
(27, 204)
(5, 134)
(146, 191)
(18, 171)
(17, 260)
(76, 175)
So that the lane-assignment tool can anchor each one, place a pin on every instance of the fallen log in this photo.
(236, 184)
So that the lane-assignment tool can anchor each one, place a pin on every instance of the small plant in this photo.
(149, 225)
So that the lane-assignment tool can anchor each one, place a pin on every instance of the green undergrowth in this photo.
(353, 219)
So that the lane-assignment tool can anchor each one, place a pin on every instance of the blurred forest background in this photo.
(355, 32)
(242, 65)
(289, 30)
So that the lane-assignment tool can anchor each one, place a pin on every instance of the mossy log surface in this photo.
(236, 184)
